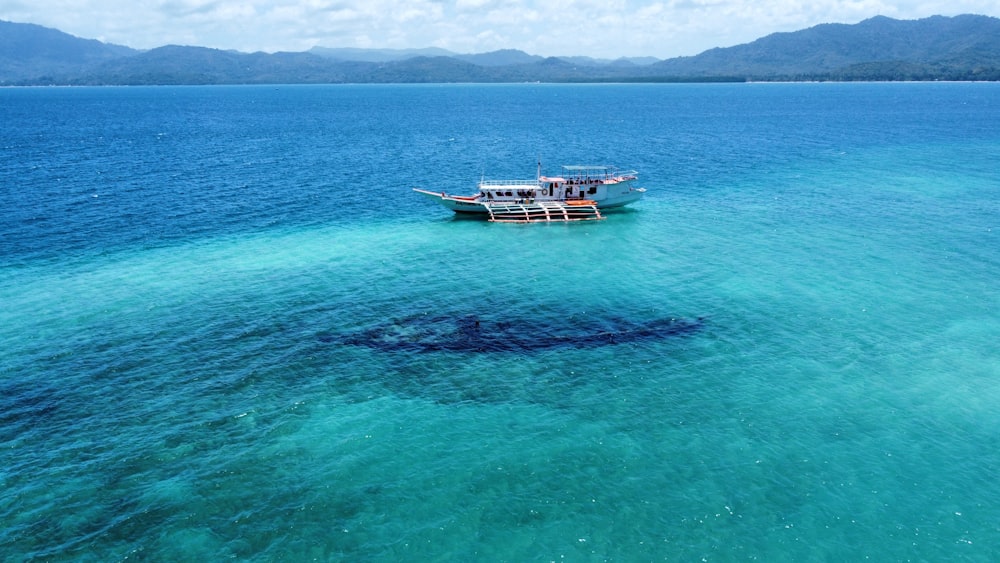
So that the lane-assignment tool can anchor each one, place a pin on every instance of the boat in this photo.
(578, 194)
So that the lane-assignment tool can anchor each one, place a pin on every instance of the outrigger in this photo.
(579, 194)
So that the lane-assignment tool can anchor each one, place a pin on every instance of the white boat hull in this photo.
(463, 205)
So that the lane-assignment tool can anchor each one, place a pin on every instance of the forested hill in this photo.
(937, 48)
(957, 48)
(29, 51)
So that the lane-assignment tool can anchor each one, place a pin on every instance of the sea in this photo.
(230, 330)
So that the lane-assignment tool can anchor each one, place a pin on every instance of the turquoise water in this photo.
(183, 270)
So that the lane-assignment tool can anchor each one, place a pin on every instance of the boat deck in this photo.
(542, 211)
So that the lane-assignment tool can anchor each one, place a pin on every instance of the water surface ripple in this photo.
(228, 328)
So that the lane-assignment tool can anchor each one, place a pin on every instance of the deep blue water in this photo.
(197, 285)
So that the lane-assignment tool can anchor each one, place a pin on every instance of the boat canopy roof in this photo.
(587, 167)
(574, 172)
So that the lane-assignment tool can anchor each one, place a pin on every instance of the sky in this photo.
(606, 29)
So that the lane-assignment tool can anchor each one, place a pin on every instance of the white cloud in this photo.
(661, 28)
(476, 5)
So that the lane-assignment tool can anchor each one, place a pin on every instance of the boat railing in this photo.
(489, 183)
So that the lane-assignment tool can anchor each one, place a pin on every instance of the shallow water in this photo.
(182, 270)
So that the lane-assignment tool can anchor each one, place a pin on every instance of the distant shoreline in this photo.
(935, 49)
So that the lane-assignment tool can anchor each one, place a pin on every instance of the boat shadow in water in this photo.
(470, 333)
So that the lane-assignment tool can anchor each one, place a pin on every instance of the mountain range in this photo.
(965, 47)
